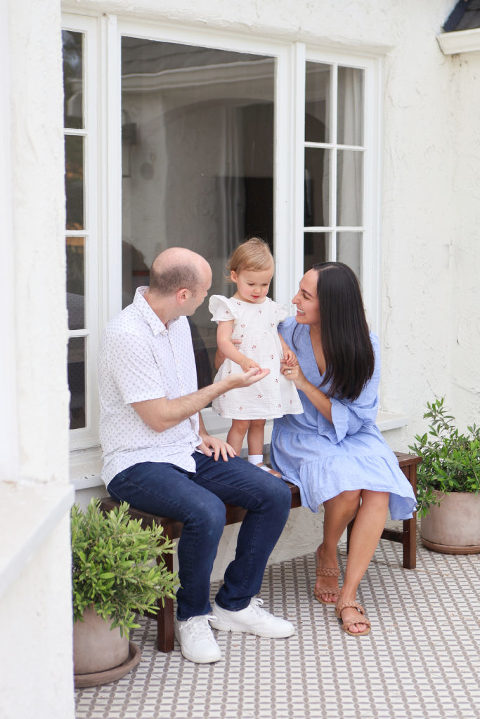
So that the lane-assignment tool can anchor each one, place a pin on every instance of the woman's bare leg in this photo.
(237, 433)
(366, 531)
(339, 511)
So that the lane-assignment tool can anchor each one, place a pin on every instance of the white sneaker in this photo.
(196, 639)
(253, 619)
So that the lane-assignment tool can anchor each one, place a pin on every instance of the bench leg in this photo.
(165, 633)
(409, 541)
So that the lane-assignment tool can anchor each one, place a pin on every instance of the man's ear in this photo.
(183, 295)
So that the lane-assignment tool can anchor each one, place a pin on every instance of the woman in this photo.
(333, 451)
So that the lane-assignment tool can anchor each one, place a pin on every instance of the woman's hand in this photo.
(293, 373)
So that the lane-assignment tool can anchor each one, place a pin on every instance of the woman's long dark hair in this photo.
(344, 331)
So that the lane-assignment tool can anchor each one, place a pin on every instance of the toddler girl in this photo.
(251, 318)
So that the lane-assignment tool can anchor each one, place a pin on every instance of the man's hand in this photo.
(216, 447)
(245, 379)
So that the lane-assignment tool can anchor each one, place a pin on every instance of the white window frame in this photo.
(88, 436)
(103, 168)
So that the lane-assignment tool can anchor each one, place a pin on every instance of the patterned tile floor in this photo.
(421, 660)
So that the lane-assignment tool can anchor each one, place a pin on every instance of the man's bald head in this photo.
(177, 268)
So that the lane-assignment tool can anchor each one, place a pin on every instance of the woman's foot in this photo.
(352, 616)
(326, 586)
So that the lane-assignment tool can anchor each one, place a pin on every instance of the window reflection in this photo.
(72, 43)
(76, 381)
(76, 282)
(315, 248)
(197, 153)
(74, 182)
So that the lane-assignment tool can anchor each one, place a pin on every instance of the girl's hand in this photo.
(247, 364)
(289, 358)
(293, 373)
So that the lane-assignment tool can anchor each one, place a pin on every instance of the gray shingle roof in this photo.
(464, 16)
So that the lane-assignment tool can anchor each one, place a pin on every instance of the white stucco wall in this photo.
(35, 602)
(465, 321)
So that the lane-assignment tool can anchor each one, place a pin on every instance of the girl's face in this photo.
(252, 285)
(306, 300)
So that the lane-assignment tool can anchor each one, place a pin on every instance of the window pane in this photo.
(350, 106)
(349, 188)
(349, 250)
(317, 182)
(76, 381)
(197, 134)
(317, 102)
(315, 248)
(74, 181)
(76, 282)
(72, 43)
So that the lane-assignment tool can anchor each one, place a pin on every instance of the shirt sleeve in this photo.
(348, 416)
(134, 369)
(221, 309)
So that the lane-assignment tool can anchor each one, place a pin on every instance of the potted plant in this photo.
(117, 571)
(448, 483)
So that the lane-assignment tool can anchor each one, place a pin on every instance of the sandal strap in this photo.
(344, 605)
(363, 620)
(326, 590)
(328, 572)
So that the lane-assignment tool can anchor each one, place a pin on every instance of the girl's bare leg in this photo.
(339, 511)
(237, 433)
(255, 439)
(366, 532)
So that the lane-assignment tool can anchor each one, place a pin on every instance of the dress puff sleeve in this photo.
(281, 312)
(221, 309)
(348, 416)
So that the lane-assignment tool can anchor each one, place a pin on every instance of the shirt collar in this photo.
(146, 312)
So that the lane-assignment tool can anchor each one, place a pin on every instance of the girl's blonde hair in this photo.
(254, 254)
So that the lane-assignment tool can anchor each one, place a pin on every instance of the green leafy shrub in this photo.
(450, 459)
(114, 565)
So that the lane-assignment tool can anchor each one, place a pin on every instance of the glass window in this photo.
(197, 154)
(75, 139)
(72, 79)
(334, 164)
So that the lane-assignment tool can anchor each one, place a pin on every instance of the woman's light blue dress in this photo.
(325, 458)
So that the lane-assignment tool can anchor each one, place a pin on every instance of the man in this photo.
(159, 457)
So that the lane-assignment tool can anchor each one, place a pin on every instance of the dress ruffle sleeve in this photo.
(281, 312)
(221, 309)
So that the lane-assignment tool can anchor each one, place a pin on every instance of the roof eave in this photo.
(452, 43)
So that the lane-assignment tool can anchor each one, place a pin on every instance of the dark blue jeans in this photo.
(197, 499)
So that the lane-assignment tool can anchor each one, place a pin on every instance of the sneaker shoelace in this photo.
(199, 626)
(256, 605)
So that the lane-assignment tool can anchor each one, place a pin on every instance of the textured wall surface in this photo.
(35, 608)
(38, 222)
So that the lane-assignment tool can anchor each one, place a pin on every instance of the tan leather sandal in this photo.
(318, 591)
(346, 625)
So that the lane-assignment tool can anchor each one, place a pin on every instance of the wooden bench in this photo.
(173, 529)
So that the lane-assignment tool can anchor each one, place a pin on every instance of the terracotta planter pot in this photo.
(100, 654)
(453, 527)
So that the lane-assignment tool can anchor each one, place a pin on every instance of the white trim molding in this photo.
(452, 43)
